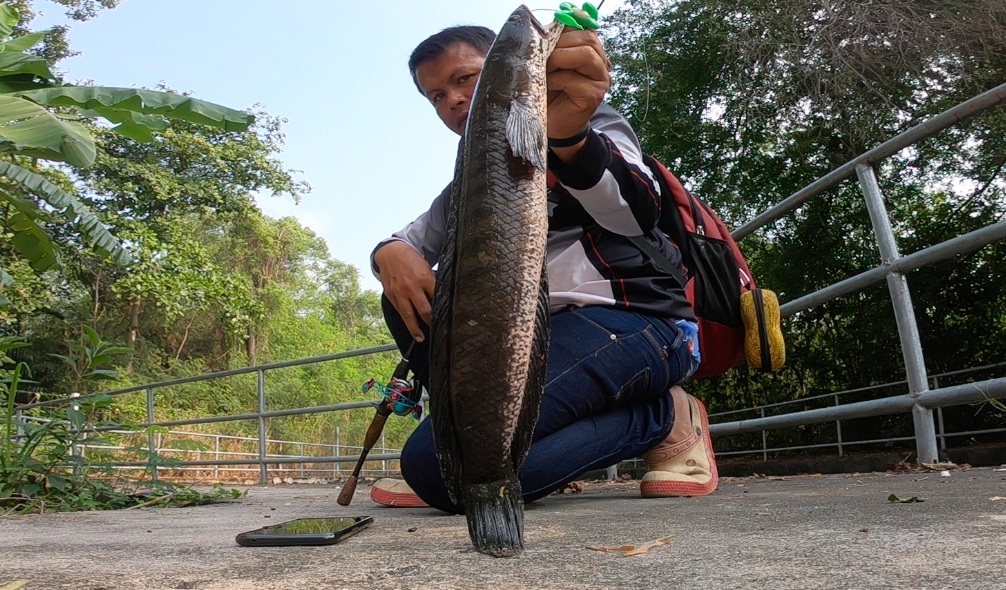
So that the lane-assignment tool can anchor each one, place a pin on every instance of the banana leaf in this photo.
(31, 129)
(94, 233)
(147, 102)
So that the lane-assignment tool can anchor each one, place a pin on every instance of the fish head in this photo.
(523, 29)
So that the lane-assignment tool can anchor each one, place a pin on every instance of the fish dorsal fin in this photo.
(525, 133)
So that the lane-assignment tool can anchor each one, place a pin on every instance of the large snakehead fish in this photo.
(490, 327)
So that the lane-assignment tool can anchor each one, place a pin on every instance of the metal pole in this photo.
(216, 457)
(838, 428)
(384, 449)
(151, 446)
(263, 469)
(18, 426)
(904, 313)
(939, 419)
(764, 441)
(335, 453)
(302, 465)
(74, 448)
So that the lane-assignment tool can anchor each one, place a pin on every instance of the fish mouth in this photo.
(526, 13)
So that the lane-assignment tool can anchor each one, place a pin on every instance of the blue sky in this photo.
(357, 131)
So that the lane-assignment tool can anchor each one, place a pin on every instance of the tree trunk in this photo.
(252, 344)
(134, 330)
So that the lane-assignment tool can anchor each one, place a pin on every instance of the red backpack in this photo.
(716, 275)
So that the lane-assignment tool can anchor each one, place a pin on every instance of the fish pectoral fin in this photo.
(525, 132)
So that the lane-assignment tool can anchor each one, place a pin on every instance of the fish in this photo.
(489, 335)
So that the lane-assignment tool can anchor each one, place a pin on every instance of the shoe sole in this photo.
(675, 489)
(764, 344)
(396, 500)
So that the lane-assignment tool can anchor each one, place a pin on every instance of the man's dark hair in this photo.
(479, 38)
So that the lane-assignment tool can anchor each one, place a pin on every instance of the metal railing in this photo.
(919, 400)
(262, 458)
(840, 444)
(221, 448)
(893, 267)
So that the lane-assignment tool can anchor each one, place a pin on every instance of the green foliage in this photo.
(748, 103)
(41, 469)
(196, 279)
(43, 119)
(87, 362)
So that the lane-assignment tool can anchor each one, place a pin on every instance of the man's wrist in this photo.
(571, 141)
(581, 167)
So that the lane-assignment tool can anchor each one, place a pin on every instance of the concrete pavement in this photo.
(803, 532)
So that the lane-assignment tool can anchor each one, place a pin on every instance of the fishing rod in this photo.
(400, 397)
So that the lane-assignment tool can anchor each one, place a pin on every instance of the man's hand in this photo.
(408, 284)
(578, 79)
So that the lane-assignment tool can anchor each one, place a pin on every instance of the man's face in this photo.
(448, 82)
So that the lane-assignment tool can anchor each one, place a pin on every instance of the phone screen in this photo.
(305, 531)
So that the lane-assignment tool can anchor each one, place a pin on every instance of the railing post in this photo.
(904, 313)
(838, 428)
(302, 463)
(941, 427)
(216, 457)
(18, 426)
(263, 469)
(335, 451)
(151, 445)
(74, 447)
(384, 462)
(764, 441)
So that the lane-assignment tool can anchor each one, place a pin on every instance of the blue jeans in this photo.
(606, 399)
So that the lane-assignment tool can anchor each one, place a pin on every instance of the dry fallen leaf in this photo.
(938, 466)
(997, 498)
(628, 550)
(13, 585)
(573, 487)
(907, 500)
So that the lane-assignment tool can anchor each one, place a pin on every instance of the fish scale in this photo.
(490, 329)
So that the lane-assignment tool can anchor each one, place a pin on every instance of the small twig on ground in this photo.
(157, 500)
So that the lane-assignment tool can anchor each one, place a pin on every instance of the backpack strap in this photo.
(659, 259)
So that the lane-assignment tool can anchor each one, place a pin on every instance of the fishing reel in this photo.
(400, 396)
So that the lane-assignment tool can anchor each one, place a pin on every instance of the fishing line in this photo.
(649, 82)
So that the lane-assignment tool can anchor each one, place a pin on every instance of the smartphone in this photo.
(305, 531)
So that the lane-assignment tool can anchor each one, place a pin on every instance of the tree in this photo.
(750, 102)
(44, 122)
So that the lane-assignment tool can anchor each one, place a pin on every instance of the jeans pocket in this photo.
(642, 382)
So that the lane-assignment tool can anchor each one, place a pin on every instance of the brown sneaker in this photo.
(683, 464)
(395, 493)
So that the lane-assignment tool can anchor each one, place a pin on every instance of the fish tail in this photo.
(495, 514)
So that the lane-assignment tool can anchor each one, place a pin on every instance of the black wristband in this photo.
(569, 141)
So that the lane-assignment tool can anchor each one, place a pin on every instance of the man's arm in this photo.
(609, 177)
(403, 263)
(604, 170)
